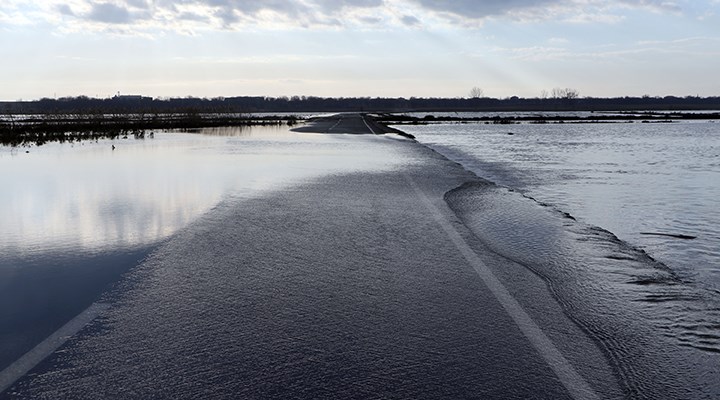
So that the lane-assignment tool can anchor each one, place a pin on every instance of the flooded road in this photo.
(348, 266)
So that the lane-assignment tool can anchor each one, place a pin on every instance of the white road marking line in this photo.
(571, 379)
(336, 124)
(29, 360)
(368, 126)
(573, 382)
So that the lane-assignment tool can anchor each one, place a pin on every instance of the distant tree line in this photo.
(562, 100)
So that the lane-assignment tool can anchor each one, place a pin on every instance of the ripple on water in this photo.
(654, 326)
(626, 178)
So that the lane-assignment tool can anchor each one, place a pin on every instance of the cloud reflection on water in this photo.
(67, 197)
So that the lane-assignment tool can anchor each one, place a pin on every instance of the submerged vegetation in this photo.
(37, 129)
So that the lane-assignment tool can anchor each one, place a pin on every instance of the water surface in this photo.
(568, 192)
(89, 196)
(627, 178)
(76, 216)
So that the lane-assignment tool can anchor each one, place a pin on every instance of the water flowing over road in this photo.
(354, 285)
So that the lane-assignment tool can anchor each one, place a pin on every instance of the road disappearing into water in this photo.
(353, 285)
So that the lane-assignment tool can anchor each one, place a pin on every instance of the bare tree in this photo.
(543, 94)
(571, 94)
(567, 93)
(476, 93)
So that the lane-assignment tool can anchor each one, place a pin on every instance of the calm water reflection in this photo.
(60, 197)
(75, 217)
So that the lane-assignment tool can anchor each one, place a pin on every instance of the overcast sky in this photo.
(421, 48)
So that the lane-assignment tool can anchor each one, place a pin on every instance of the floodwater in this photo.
(575, 203)
(321, 272)
(88, 196)
(76, 216)
(630, 179)
(263, 263)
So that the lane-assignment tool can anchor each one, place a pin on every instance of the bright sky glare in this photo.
(343, 48)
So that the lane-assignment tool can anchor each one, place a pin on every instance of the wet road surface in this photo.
(361, 285)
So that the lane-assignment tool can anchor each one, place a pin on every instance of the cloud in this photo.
(657, 5)
(537, 53)
(409, 20)
(65, 9)
(603, 11)
(696, 41)
(191, 16)
(232, 14)
(138, 3)
(251, 8)
(109, 13)
(370, 20)
(481, 9)
(641, 51)
(156, 16)
(334, 5)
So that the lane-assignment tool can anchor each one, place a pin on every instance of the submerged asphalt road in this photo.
(359, 124)
(363, 285)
